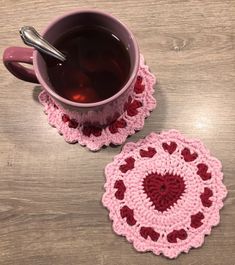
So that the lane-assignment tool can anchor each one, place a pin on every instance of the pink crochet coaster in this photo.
(136, 110)
(164, 193)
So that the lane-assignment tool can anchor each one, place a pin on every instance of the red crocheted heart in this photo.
(128, 213)
(203, 171)
(175, 234)
(164, 190)
(119, 185)
(148, 153)
(73, 124)
(132, 108)
(139, 88)
(88, 130)
(65, 118)
(130, 162)
(113, 127)
(205, 197)
(170, 148)
(146, 232)
(188, 156)
(196, 220)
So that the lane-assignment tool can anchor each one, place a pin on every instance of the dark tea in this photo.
(96, 68)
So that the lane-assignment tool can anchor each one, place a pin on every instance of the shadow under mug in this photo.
(98, 113)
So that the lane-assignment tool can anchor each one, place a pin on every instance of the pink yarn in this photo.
(164, 193)
(132, 120)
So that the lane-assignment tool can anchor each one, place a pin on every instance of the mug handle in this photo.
(13, 56)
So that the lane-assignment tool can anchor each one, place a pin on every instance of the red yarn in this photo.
(188, 157)
(96, 131)
(149, 153)
(113, 128)
(121, 123)
(130, 162)
(73, 124)
(205, 197)
(88, 130)
(202, 171)
(132, 107)
(139, 79)
(172, 237)
(164, 190)
(181, 234)
(139, 88)
(170, 148)
(65, 118)
(127, 213)
(119, 194)
(127, 103)
(146, 232)
(196, 220)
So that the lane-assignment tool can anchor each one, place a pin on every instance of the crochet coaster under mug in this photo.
(136, 110)
(164, 193)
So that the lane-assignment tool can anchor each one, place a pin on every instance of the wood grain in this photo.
(50, 191)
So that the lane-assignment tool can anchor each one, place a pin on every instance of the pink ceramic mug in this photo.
(98, 113)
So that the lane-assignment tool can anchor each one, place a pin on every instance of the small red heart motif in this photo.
(188, 157)
(132, 108)
(181, 234)
(202, 171)
(205, 197)
(139, 79)
(96, 131)
(128, 213)
(149, 153)
(146, 232)
(170, 148)
(164, 190)
(121, 123)
(121, 188)
(65, 118)
(128, 102)
(196, 220)
(113, 128)
(73, 124)
(139, 88)
(88, 130)
(130, 162)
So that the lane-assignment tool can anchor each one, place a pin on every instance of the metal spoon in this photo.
(32, 38)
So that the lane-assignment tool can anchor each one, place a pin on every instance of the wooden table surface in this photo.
(50, 191)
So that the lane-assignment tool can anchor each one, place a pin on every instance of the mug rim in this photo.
(98, 103)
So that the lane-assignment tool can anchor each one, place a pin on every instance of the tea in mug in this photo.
(97, 65)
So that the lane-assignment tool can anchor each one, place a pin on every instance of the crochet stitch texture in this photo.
(136, 110)
(164, 193)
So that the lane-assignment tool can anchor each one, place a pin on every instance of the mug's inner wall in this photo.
(89, 18)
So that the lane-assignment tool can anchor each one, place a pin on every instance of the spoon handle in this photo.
(32, 38)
